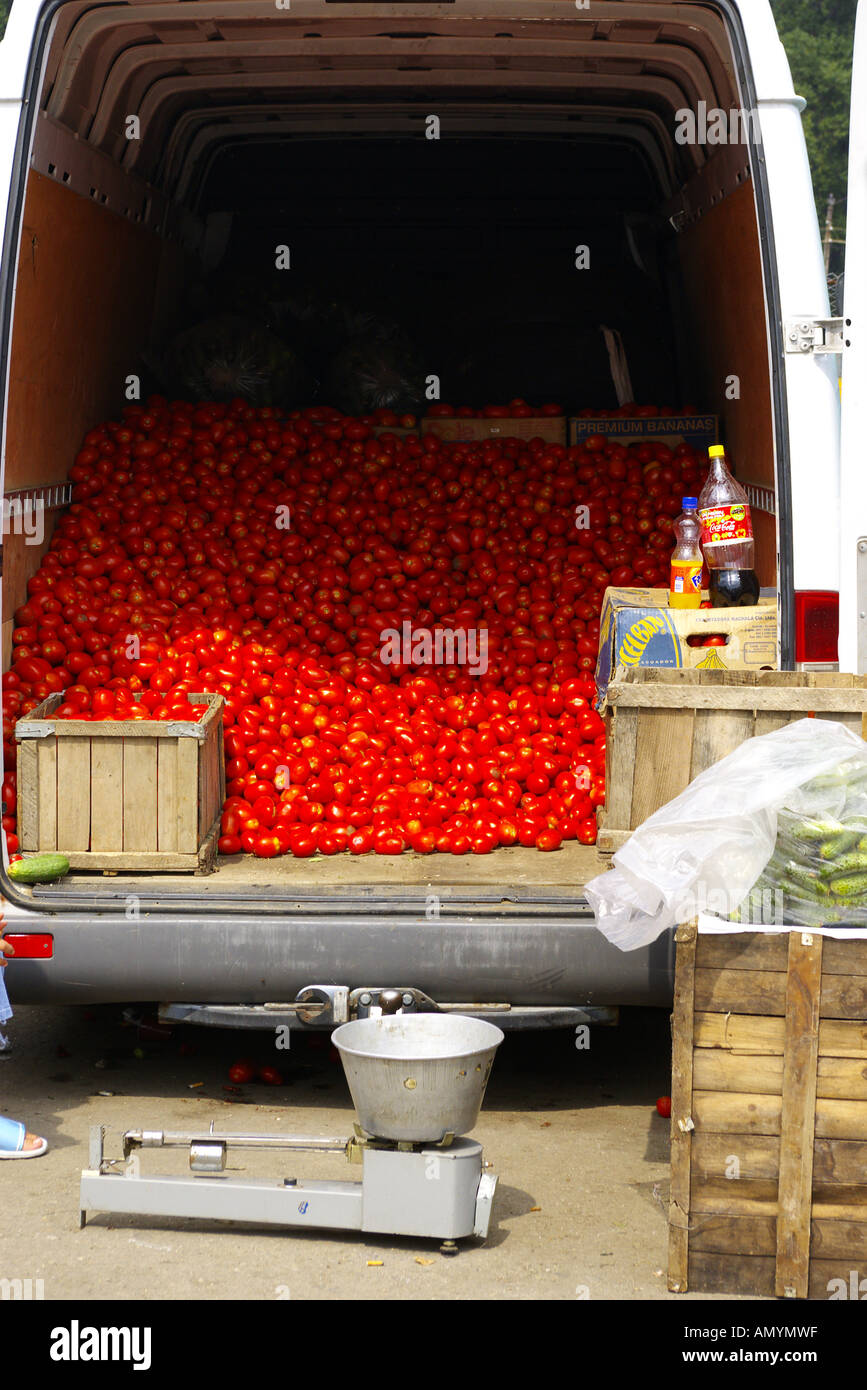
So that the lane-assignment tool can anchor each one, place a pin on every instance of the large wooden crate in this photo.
(122, 795)
(769, 1114)
(664, 727)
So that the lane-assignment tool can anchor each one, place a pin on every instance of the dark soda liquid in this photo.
(733, 588)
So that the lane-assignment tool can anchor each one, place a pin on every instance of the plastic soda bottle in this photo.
(727, 536)
(684, 590)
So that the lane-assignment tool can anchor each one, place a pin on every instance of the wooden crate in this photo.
(664, 727)
(122, 795)
(551, 428)
(769, 1114)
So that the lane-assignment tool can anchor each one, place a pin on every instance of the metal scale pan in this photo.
(417, 1077)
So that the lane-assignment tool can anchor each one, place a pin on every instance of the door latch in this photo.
(817, 335)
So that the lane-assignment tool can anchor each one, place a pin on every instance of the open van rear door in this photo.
(853, 444)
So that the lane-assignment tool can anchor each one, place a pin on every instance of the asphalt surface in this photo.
(572, 1133)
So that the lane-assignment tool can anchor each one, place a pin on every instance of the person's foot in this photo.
(17, 1141)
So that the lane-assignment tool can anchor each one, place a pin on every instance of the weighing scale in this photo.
(417, 1082)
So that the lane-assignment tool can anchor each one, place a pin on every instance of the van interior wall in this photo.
(721, 271)
(90, 285)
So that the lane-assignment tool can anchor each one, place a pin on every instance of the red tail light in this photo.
(817, 623)
(30, 945)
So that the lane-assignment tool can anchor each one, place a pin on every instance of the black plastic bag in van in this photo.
(229, 356)
(378, 367)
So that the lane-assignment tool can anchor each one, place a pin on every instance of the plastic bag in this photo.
(766, 819)
(229, 356)
(378, 368)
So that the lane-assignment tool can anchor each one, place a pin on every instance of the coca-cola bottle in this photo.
(727, 536)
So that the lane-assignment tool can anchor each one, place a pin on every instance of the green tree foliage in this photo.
(818, 37)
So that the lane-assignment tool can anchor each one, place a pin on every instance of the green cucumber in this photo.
(39, 868)
(850, 886)
(808, 879)
(839, 844)
(813, 829)
(854, 861)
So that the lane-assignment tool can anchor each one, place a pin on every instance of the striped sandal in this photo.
(13, 1137)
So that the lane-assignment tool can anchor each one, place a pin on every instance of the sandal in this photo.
(12, 1137)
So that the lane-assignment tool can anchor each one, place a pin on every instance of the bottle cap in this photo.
(716, 451)
(689, 502)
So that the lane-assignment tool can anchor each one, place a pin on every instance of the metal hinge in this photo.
(817, 335)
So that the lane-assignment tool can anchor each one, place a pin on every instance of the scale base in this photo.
(435, 1193)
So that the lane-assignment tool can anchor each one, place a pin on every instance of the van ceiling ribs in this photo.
(201, 136)
(128, 79)
(161, 61)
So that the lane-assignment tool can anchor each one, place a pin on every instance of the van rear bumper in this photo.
(517, 957)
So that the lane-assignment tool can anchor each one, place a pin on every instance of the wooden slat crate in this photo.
(122, 795)
(768, 1114)
(664, 727)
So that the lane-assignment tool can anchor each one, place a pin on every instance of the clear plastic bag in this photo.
(769, 834)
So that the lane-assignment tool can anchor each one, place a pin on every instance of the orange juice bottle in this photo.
(684, 590)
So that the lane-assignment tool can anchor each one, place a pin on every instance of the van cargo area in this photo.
(310, 129)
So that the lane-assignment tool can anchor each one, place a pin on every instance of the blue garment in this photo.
(5, 1010)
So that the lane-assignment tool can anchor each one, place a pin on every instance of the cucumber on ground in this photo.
(39, 868)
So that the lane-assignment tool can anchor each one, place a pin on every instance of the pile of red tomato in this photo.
(263, 556)
(517, 409)
(122, 703)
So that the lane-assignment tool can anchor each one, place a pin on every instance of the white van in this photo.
(457, 153)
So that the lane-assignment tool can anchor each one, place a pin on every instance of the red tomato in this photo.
(270, 1076)
(241, 1072)
(663, 1107)
(586, 832)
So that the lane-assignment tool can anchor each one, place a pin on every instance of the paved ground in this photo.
(581, 1154)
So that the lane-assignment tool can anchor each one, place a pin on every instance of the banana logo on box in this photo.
(639, 637)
